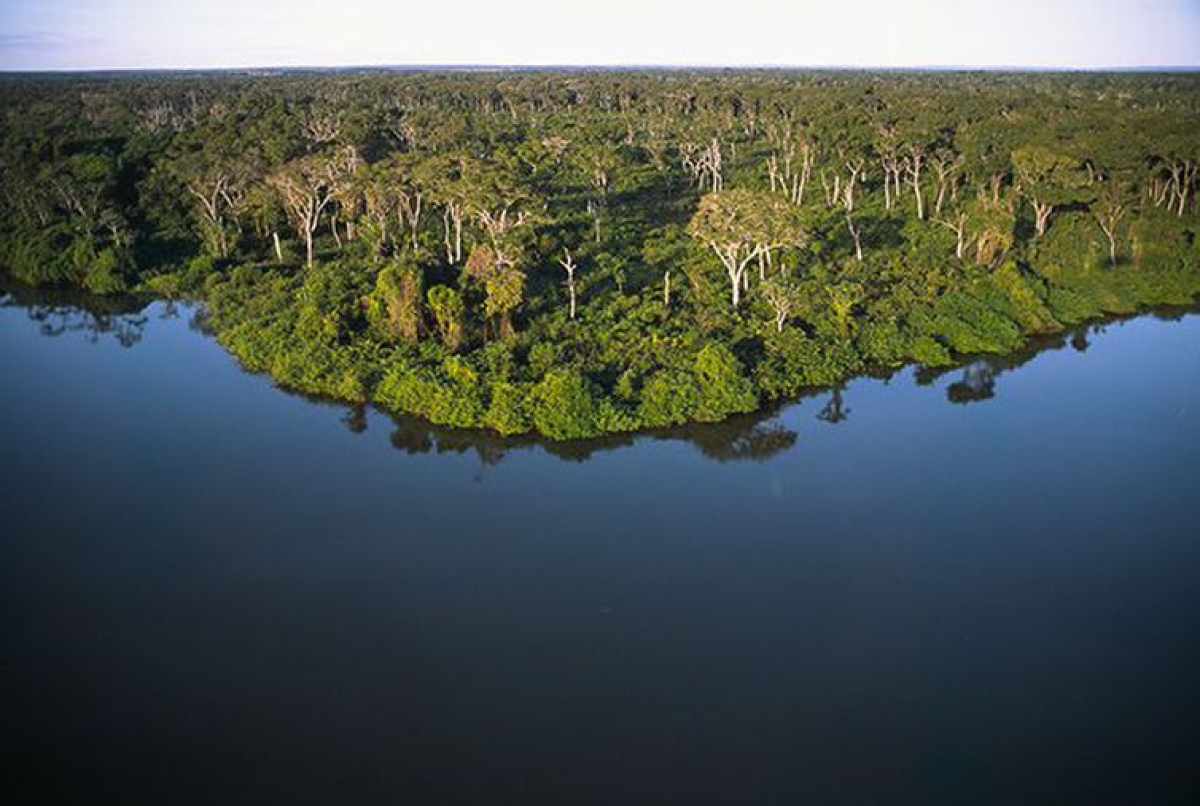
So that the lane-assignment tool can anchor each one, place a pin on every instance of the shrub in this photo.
(721, 383)
(563, 406)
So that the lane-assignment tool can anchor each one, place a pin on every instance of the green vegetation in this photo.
(587, 253)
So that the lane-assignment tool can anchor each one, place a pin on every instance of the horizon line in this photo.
(612, 67)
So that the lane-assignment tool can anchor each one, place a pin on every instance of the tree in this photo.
(722, 387)
(597, 161)
(448, 314)
(307, 186)
(992, 223)
(409, 194)
(220, 192)
(505, 213)
(790, 165)
(739, 226)
(946, 165)
(563, 406)
(377, 205)
(956, 221)
(891, 161)
(1048, 179)
(703, 164)
(781, 295)
(394, 307)
(503, 284)
(913, 164)
(569, 266)
(854, 169)
(85, 188)
(451, 179)
(1112, 205)
(843, 297)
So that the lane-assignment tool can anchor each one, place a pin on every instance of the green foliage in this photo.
(882, 342)
(669, 397)
(394, 306)
(1049, 176)
(721, 384)
(930, 352)
(795, 362)
(328, 303)
(1020, 297)
(438, 206)
(506, 411)
(105, 274)
(448, 313)
(843, 297)
(563, 407)
(447, 395)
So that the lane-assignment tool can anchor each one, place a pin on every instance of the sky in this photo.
(115, 34)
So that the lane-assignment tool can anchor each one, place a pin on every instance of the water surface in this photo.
(975, 587)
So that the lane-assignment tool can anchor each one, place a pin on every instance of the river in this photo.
(979, 586)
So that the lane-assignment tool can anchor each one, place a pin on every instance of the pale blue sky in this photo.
(90, 34)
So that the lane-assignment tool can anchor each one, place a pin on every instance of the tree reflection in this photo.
(60, 312)
(744, 438)
(835, 410)
(355, 418)
(754, 437)
(979, 377)
(978, 383)
(740, 440)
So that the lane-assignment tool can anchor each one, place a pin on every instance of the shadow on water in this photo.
(749, 437)
(979, 374)
(59, 311)
(752, 437)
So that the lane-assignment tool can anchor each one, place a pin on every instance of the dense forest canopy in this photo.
(576, 253)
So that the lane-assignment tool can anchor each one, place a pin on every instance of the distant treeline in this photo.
(580, 253)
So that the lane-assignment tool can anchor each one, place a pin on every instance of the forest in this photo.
(579, 253)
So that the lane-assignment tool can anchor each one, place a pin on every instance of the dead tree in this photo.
(569, 266)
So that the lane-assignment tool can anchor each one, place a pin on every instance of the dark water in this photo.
(982, 587)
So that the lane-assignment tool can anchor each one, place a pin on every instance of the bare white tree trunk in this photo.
(808, 158)
(1042, 213)
(856, 234)
(457, 215)
(568, 264)
(914, 163)
(1188, 178)
(735, 257)
(958, 225)
(1109, 218)
(408, 209)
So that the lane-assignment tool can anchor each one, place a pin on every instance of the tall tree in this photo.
(1048, 179)
(308, 185)
(739, 226)
(1112, 205)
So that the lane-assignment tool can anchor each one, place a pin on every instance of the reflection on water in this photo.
(61, 311)
(978, 378)
(978, 383)
(836, 410)
(752, 437)
(749, 437)
(211, 592)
